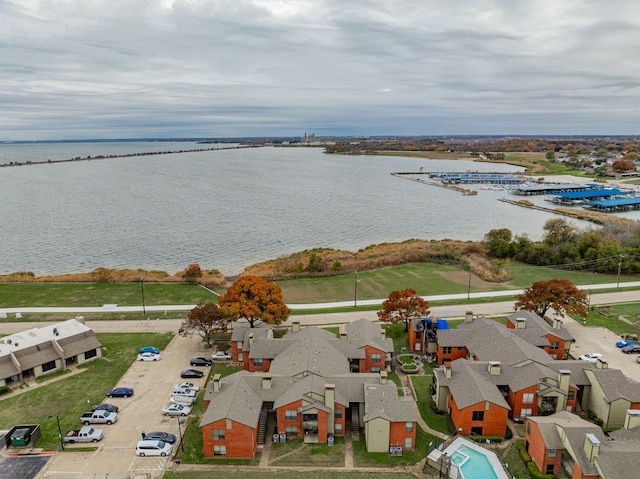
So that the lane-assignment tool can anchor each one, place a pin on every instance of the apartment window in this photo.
(571, 396)
(338, 428)
(219, 450)
(239, 344)
(290, 415)
(526, 412)
(552, 453)
(476, 431)
(240, 357)
(338, 413)
(375, 369)
(551, 469)
(291, 431)
(418, 334)
(48, 366)
(375, 358)
(478, 416)
(257, 362)
(527, 398)
(446, 350)
(555, 345)
(408, 427)
(90, 354)
(218, 434)
(408, 443)
(529, 428)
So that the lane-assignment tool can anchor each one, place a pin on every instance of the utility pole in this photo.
(469, 287)
(355, 292)
(619, 269)
(144, 313)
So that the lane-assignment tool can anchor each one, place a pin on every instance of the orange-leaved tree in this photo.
(403, 306)
(561, 295)
(207, 319)
(192, 273)
(255, 299)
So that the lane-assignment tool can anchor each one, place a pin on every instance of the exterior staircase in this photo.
(262, 426)
(355, 417)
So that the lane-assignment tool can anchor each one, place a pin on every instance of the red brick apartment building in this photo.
(308, 384)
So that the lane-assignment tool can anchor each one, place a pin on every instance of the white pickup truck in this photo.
(99, 417)
(85, 434)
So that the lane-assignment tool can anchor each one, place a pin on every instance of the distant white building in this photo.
(43, 350)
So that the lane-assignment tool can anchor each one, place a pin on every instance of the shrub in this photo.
(535, 473)
(4, 390)
(524, 455)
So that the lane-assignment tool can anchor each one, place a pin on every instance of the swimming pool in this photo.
(473, 461)
(473, 464)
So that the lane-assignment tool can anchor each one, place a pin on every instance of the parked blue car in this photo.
(625, 342)
(149, 349)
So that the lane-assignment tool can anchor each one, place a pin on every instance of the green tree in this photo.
(254, 299)
(550, 155)
(498, 242)
(558, 231)
(403, 306)
(561, 295)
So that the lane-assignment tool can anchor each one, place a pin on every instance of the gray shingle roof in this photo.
(382, 402)
(491, 341)
(574, 428)
(469, 387)
(535, 322)
(616, 385)
(313, 354)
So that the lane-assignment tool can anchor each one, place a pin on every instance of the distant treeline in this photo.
(613, 249)
(588, 145)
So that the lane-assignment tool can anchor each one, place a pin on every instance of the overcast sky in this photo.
(75, 69)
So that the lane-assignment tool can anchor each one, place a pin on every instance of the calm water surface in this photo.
(225, 209)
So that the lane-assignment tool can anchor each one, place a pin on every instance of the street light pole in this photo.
(60, 432)
(619, 269)
(144, 313)
(180, 432)
(355, 294)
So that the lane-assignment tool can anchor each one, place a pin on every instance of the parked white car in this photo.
(148, 357)
(185, 400)
(184, 392)
(221, 356)
(186, 385)
(176, 410)
(152, 447)
(591, 357)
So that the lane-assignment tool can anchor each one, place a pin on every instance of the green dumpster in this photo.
(21, 437)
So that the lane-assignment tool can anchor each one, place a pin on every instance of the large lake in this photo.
(225, 209)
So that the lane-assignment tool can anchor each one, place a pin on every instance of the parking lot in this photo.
(152, 383)
(603, 341)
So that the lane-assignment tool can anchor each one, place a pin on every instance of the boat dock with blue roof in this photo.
(614, 205)
(477, 178)
(579, 197)
(530, 189)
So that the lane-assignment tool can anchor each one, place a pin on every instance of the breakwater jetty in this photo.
(408, 175)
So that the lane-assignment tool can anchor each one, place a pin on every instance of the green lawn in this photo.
(439, 422)
(613, 322)
(362, 458)
(70, 396)
(251, 474)
(17, 295)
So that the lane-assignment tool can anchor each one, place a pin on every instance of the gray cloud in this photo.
(131, 68)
